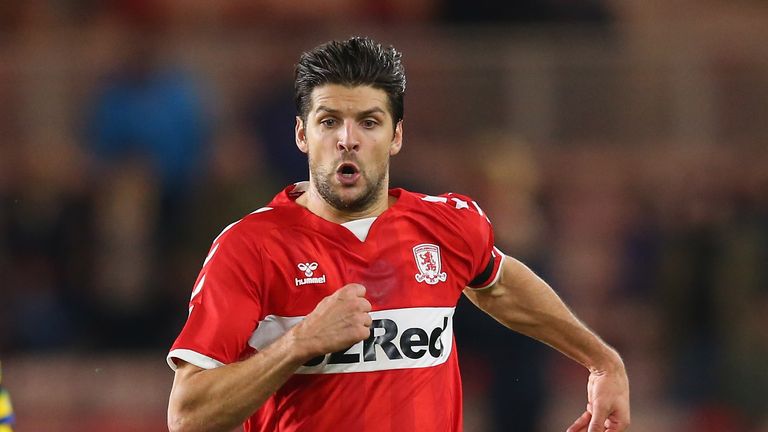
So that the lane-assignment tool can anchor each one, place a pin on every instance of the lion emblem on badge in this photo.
(428, 261)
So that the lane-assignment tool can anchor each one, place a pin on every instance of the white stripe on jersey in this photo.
(498, 255)
(210, 254)
(261, 210)
(271, 328)
(198, 288)
(435, 199)
(227, 228)
(192, 357)
(400, 339)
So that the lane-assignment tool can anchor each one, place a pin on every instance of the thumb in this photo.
(599, 416)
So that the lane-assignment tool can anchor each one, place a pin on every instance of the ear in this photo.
(301, 135)
(397, 139)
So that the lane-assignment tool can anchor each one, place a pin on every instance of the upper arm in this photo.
(484, 298)
(182, 377)
(184, 370)
(224, 307)
(182, 382)
(510, 299)
(475, 242)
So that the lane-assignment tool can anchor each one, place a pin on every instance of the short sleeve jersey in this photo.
(267, 271)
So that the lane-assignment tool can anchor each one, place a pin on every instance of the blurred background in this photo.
(619, 147)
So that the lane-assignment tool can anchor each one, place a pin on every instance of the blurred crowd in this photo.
(113, 184)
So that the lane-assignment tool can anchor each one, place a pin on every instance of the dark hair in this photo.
(354, 62)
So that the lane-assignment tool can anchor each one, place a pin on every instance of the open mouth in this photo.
(348, 173)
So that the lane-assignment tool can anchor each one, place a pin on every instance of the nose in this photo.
(348, 139)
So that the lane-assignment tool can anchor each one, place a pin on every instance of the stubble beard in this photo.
(323, 178)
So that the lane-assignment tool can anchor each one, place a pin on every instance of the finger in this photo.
(355, 289)
(367, 321)
(350, 290)
(599, 418)
(365, 305)
(581, 423)
(616, 422)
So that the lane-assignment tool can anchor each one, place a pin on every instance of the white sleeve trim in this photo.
(193, 357)
(498, 272)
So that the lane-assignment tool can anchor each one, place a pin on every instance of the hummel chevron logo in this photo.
(309, 271)
(307, 268)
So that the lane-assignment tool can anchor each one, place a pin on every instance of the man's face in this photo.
(349, 137)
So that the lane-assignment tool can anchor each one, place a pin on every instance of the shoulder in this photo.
(255, 225)
(453, 206)
(242, 241)
(278, 214)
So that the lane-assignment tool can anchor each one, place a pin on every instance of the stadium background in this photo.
(620, 148)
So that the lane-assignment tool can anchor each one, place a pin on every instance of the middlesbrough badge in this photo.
(428, 261)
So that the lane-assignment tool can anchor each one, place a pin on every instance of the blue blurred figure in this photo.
(153, 112)
(148, 136)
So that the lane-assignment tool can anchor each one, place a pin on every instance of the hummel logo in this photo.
(309, 269)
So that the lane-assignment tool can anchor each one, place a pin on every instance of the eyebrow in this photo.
(374, 110)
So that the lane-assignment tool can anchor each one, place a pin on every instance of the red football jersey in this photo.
(267, 271)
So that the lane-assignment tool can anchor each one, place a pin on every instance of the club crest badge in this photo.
(428, 262)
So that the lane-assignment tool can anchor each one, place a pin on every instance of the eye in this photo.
(329, 122)
(369, 123)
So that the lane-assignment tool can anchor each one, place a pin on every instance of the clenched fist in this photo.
(337, 322)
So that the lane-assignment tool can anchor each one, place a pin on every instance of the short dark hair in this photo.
(356, 61)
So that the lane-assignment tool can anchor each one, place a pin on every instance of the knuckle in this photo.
(365, 320)
(357, 289)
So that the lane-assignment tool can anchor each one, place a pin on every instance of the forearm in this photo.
(572, 338)
(222, 398)
(525, 303)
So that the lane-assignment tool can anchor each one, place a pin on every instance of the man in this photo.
(330, 309)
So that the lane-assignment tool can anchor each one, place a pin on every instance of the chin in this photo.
(352, 198)
(350, 202)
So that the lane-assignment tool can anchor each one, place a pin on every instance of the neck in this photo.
(315, 203)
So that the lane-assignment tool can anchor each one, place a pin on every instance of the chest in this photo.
(403, 265)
